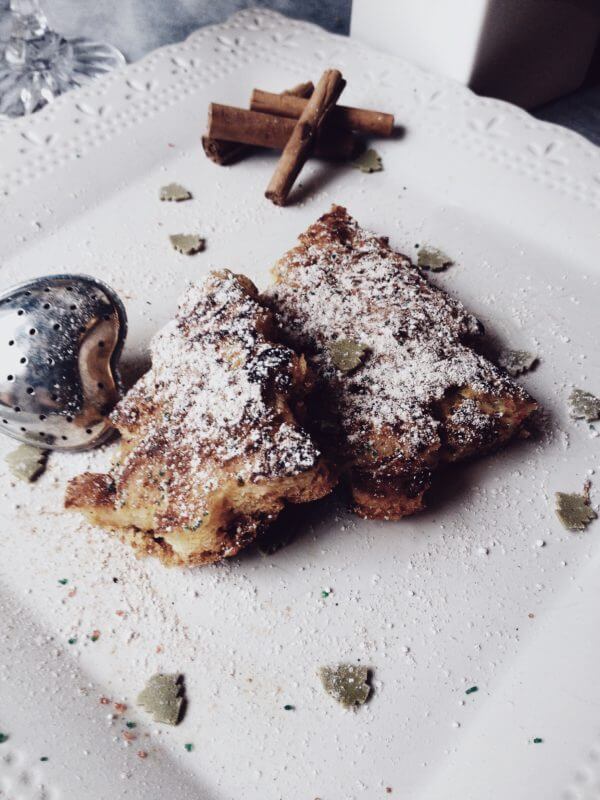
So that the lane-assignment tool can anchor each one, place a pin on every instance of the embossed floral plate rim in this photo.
(561, 160)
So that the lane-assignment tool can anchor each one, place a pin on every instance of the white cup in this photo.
(525, 51)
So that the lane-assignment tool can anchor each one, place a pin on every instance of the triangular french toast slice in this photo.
(211, 446)
(401, 388)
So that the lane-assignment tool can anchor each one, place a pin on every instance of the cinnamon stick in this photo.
(224, 152)
(300, 90)
(363, 120)
(227, 124)
(303, 137)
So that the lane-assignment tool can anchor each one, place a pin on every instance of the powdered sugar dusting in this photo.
(345, 283)
(207, 402)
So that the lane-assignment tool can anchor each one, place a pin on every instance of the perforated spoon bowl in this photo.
(60, 341)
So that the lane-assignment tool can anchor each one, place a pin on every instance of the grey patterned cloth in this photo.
(579, 111)
(138, 26)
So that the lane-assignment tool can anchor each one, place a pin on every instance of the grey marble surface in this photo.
(138, 26)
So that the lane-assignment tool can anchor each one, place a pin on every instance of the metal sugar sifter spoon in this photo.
(60, 340)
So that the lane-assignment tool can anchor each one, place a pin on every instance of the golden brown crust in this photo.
(211, 448)
(420, 396)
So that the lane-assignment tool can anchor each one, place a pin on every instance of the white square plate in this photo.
(483, 589)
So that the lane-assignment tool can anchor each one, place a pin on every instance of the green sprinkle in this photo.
(95, 637)
(537, 740)
(72, 640)
(44, 758)
(288, 707)
(189, 747)
(131, 724)
(3, 737)
(472, 689)
(63, 581)
(325, 593)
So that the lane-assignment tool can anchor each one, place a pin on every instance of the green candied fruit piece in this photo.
(175, 193)
(347, 355)
(187, 243)
(163, 697)
(584, 405)
(346, 683)
(574, 511)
